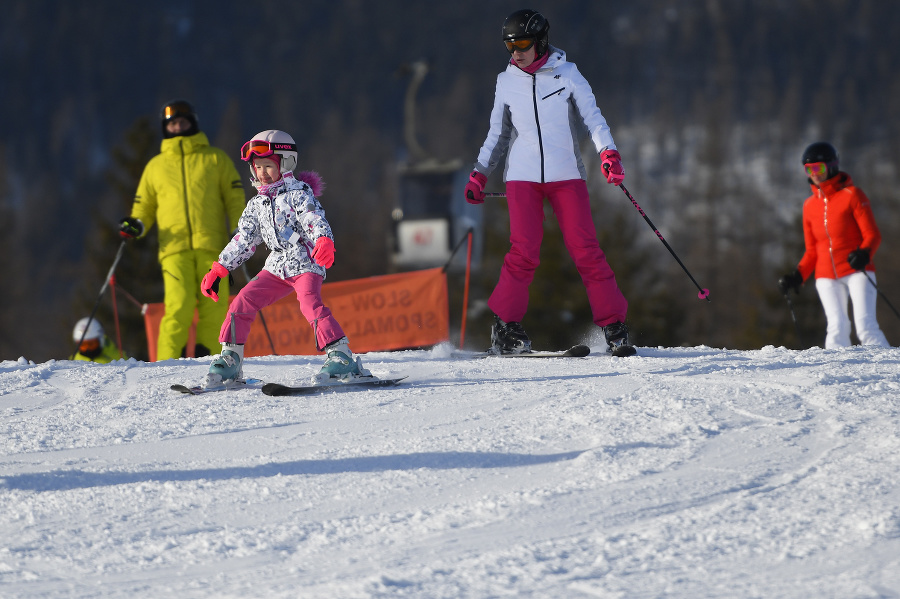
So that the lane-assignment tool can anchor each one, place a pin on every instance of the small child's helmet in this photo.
(267, 143)
(94, 331)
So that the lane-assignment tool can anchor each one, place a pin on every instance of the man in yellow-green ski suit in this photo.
(193, 192)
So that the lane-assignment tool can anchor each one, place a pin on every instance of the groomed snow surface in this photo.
(681, 472)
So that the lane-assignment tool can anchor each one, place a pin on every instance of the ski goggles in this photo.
(521, 45)
(176, 109)
(89, 345)
(816, 169)
(261, 149)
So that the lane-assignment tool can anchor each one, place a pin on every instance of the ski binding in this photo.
(200, 389)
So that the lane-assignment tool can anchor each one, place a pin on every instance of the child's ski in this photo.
(365, 381)
(198, 389)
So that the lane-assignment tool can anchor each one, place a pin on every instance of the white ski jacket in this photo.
(289, 225)
(538, 119)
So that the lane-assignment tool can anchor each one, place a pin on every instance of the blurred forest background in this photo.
(711, 103)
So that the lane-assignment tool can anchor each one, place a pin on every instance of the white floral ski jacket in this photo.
(289, 224)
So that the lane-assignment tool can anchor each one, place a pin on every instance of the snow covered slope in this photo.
(686, 472)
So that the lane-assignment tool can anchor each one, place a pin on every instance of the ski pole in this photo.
(112, 293)
(704, 293)
(883, 296)
(109, 276)
(489, 194)
(791, 308)
(793, 316)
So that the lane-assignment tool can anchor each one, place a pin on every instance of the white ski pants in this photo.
(834, 294)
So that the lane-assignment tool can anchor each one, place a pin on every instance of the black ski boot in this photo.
(509, 338)
(617, 340)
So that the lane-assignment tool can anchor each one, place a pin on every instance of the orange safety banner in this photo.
(383, 313)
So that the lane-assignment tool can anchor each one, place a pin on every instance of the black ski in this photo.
(362, 382)
(576, 351)
(199, 390)
(623, 351)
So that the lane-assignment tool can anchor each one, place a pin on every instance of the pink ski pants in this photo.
(266, 289)
(571, 205)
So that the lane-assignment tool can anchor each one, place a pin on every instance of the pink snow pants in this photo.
(266, 289)
(571, 205)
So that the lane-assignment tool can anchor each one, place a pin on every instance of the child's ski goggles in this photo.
(521, 45)
(261, 149)
(816, 169)
(89, 345)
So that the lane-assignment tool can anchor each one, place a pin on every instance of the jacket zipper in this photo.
(187, 208)
(828, 235)
(278, 239)
(537, 121)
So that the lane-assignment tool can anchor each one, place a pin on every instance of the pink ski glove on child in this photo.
(323, 253)
(210, 284)
(612, 166)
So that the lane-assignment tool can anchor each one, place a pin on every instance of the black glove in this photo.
(792, 280)
(129, 228)
(858, 259)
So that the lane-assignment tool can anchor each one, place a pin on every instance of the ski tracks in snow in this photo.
(692, 472)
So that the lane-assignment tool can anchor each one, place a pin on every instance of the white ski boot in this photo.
(226, 368)
(340, 364)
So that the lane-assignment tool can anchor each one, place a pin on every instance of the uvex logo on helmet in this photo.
(278, 146)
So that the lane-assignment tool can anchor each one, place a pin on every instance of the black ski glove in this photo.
(129, 228)
(792, 280)
(858, 259)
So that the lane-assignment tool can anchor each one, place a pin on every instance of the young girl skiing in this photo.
(287, 217)
(541, 100)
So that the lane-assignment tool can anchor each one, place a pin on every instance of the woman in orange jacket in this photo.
(841, 240)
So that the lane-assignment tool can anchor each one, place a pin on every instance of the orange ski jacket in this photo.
(837, 219)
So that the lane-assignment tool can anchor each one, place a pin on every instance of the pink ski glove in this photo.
(475, 188)
(323, 253)
(210, 284)
(612, 166)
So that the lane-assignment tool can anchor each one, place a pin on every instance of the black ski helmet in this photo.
(177, 108)
(822, 151)
(527, 23)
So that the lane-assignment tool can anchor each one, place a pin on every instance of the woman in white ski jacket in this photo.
(541, 104)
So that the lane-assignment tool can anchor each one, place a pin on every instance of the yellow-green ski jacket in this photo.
(193, 192)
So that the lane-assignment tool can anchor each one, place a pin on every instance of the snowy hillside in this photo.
(685, 472)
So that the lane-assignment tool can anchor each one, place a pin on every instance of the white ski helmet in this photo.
(268, 142)
(94, 331)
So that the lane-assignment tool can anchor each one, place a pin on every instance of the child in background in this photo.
(96, 346)
(286, 216)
